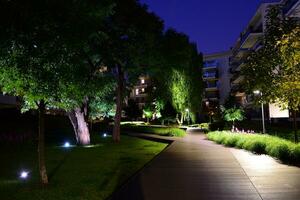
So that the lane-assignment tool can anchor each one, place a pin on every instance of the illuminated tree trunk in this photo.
(80, 125)
(41, 144)
(295, 127)
(117, 121)
(181, 119)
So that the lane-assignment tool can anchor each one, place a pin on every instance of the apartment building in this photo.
(216, 77)
(139, 91)
(251, 40)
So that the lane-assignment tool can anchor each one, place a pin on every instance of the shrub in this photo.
(262, 144)
(204, 127)
(164, 131)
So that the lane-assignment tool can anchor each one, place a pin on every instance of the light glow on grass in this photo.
(67, 145)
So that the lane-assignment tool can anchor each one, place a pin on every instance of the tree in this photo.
(288, 87)
(232, 115)
(43, 53)
(148, 113)
(132, 40)
(274, 69)
(179, 77)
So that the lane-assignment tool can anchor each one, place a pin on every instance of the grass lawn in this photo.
(74, 173)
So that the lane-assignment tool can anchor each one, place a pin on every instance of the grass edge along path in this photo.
(162, 131)
(284, 150)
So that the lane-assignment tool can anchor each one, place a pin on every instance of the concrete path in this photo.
(195, 168)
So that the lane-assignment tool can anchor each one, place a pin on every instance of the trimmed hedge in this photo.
(284, 150)
(164, 131)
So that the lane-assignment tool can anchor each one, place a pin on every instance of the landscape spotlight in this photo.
(67, 144)
(24, 174)
(104, 135)
(187, 110)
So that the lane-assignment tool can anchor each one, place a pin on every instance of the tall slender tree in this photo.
(133, 34)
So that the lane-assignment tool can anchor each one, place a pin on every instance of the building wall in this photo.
(222, 73)
(139, 92)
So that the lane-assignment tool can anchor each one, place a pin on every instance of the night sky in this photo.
(213, 24)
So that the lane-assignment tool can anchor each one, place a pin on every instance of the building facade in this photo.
(216, 77)
(139, 92)
(251, 40)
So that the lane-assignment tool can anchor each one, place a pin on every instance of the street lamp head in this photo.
(187, 110)
(256, 92)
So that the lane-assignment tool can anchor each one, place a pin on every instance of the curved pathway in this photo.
(194, 168)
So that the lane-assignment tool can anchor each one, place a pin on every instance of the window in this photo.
(142, 81)
(143, 89)
(136, 91)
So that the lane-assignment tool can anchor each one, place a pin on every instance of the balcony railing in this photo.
(209, 64)
(289, 4)
(210, 75)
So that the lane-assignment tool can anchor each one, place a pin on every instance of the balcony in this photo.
(210, 75)
(250, 39)
(210, 64)
(237, 79)
(211, 86)
(289, 5)
(212, 95)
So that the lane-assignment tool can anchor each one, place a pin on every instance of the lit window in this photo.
(143, 89)
(136, 91)
(143, 81)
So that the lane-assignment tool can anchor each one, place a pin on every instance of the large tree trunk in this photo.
(117, 121)
(80, 126)
(41, 144)
(295, 127)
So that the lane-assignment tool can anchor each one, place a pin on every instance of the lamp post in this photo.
(257, 92)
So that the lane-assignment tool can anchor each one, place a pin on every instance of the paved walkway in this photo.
(196, 169)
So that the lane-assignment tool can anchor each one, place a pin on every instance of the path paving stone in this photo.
(197, 169)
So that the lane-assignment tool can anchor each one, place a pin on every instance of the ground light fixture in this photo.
(67, 144)
(24, 175)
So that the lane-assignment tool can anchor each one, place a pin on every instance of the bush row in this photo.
(164, 131)
(284, 150)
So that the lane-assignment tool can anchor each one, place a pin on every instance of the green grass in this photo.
(163, 131)
(76, 173)
(276, 147)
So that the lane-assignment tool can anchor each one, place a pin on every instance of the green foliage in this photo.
(147, 112)
(261, 144)
(179, 90)
(164, 131)
(179, 75)
(274, 69)
(45, 56)
(204, 126)
(233, 114)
